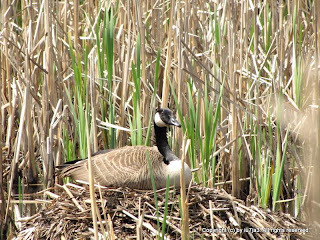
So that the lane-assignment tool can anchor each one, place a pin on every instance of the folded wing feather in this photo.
(127, 166)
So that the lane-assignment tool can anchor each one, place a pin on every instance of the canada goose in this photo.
(128, 166)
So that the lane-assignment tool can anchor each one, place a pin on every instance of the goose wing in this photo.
(122, 167)
(127, 166)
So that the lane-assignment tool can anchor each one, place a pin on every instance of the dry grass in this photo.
(69, 217)
(262, 57)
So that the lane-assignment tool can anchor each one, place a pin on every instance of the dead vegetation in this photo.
(242, 76)
(125, 210)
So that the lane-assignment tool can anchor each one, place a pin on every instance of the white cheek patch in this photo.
(158, 121)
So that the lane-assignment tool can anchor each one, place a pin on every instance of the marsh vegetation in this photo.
(242, 77)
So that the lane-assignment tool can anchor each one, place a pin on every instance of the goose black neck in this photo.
(162, 143)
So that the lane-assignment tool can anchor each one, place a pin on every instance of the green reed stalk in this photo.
(191, 126)
(79, 104)
(136, 125)
(280, 160)
(264, 175)
(188, 123)
(105, 54)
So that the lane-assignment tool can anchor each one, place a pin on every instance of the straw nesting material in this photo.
(212, 212)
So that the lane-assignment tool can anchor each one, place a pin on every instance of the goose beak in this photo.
(174, 122)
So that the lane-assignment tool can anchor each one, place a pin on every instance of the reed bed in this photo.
(242, 76)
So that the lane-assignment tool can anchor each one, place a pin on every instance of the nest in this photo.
(124, 213)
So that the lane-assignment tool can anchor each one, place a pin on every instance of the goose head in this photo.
(164, 117)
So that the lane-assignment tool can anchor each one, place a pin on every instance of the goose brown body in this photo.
(122, 167)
